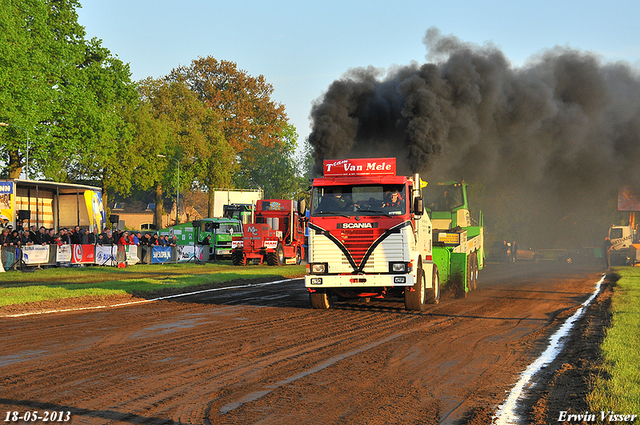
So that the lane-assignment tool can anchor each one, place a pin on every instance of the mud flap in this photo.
(459, 268)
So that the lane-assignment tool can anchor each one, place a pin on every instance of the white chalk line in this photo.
(506, 414)
(249, 285)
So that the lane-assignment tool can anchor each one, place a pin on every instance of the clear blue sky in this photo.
(301, 47)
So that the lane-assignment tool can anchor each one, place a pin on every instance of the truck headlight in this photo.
(398, 267)
(318, 268)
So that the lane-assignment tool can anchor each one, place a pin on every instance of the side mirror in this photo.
(418, 208)
(195, 223)
(302, 206)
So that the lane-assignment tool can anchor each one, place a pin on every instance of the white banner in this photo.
(189, 252)
(35, 254)
(132, 254)
(106, 255)
(64, 254)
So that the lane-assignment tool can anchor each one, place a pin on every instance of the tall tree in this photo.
(40, 42)
(249, 117)
(194, 141)
(95, 138)
(274, 169)
(69, 94)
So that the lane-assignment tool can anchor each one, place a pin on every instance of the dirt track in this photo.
(261, 355)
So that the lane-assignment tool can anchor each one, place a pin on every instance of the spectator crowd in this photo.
(43, 236)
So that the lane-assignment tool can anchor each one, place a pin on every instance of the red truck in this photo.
(275, 235)
(369, 236)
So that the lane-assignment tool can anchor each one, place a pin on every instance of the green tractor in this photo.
(458, 245)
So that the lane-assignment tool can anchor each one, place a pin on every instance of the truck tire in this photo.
(476, 270)
(473, 272)
(433, 294)
(237, 256)
(416, 300)
(471, 275)
(319, 300)
(298, 256)
(276, 258)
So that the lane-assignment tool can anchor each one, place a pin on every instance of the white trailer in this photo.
(224, 197)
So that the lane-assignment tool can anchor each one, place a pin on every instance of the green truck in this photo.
(458, 246)
(220, 231)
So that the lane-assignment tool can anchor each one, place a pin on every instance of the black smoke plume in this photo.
(548, 143)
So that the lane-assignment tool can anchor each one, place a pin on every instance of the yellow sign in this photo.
(94, 209)
(449, 238)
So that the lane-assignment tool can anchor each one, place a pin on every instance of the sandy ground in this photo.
(260, 355)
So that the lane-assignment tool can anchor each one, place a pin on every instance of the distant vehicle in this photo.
(527, 255)
(501, 253)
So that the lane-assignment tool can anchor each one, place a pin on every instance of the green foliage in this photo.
(87, 122)
(67, 92)
(618, 387)
(274, 168)
(190, 136)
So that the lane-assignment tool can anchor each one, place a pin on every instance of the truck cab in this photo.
(368, 236)
(625, 250)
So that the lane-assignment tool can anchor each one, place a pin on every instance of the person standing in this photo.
(606, 251)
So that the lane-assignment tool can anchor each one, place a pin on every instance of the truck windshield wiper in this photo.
(333, 213)
(377, 212)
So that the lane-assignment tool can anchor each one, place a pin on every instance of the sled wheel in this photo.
(433, 294)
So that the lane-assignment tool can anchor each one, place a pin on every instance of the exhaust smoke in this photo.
(548, 144)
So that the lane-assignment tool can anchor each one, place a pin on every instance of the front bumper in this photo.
(358, 281)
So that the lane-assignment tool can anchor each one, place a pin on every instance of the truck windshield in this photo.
(615, 233)
(358, 200)
(442, 197)
(227, 227)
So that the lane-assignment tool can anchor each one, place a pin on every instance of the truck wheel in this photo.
(276, 258)
(433, 294)
(298, 256)
(319, 300)
(415, 300)
(471, 275)
(476, 270)
(237, 256)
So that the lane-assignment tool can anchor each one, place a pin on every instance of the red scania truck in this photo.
(369, 236)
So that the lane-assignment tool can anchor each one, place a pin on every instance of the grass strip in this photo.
(617, 389)
(50, 284)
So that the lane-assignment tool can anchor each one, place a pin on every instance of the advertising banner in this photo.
(7, 190)
(106, 255)
(160, 254)
(187, 252)
(64, 254)
(95, 210)
(132, 254)
(35, 254)
(359, 167)
(82, 254)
